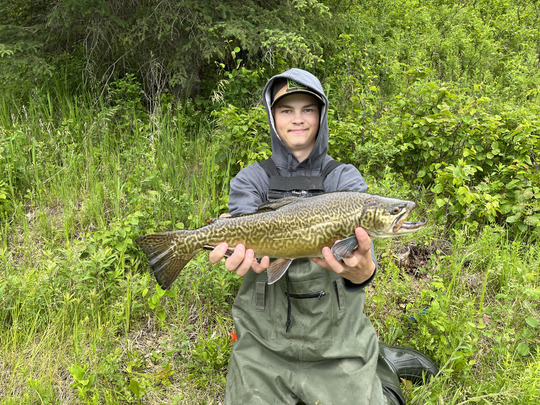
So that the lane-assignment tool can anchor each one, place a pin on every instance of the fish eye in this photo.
(395, 210)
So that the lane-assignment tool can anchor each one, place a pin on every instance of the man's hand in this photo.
(357, 268)
(241, 260)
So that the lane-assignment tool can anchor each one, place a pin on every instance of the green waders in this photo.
(329, 354)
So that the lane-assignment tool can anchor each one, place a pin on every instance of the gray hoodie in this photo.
(249, 188)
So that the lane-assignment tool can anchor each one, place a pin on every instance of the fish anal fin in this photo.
(277, 269)
(344, 248)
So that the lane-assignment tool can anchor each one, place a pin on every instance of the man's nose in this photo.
(298, 117)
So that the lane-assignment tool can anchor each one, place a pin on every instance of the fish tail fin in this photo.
(164, 255)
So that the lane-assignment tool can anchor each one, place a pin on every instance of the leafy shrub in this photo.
(242, 134)
(481, 165)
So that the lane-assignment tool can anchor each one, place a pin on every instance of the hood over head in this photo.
(281, 155)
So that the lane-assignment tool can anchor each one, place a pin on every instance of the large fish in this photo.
(285, 229)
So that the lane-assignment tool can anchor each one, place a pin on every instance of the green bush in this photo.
(243, 135)
(479, 160)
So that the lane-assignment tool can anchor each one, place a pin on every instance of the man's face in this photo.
(296, 117)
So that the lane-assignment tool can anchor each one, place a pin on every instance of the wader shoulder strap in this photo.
(271, 170)
(329, 167)
(269, 167)
(281, 187)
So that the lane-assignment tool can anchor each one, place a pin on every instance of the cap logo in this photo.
(294, 86)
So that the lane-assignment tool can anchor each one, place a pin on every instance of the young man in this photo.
(305, 338)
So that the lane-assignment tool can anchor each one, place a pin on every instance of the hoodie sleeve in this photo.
(345, 178)
(248, 190)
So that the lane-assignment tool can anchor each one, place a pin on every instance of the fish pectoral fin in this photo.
(345, 247)
(277, 269)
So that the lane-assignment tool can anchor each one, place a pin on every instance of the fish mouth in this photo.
(403, 226)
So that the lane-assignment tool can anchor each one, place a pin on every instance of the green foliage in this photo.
(126, 93)
(468, 305)
(479, 161)
(435, 102)
(209, 355)
(84, 381)
(154, 301)
(239, 84)
(13, 163)
(243, 135)
(529, 336)
(151, 41)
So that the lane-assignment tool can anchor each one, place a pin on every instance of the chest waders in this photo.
(327, 355)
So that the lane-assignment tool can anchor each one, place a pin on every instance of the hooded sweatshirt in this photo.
(249, 188)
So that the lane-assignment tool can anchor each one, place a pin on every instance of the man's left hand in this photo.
(356, 268)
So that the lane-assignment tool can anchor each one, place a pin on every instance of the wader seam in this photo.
(340, 295)
(289, 304)
(260, 295)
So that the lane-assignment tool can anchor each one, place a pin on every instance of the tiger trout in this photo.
(285, 229)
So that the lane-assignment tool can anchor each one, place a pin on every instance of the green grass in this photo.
(81, 320)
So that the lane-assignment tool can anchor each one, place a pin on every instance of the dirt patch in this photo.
(413, 256)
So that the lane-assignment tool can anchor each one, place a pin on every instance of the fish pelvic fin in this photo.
(277, 269)
(164, 256)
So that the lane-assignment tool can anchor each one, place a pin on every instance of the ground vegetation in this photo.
(121, 118)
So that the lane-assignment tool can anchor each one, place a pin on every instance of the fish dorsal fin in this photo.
(277, 204)
(209, 221)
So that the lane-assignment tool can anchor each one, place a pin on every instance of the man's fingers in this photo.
(331, 260)
(364, 241)
(260, 267)
(246, 263)
(234, 260)
(217, 254)
(240, 261)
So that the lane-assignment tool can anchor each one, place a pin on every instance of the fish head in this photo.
(384, 217)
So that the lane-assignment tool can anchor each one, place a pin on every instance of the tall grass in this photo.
(83, 178)
(82, 321)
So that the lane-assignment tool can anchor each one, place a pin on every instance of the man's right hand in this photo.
(241, 260)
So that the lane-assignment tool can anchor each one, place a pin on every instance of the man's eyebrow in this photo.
(290, 106)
